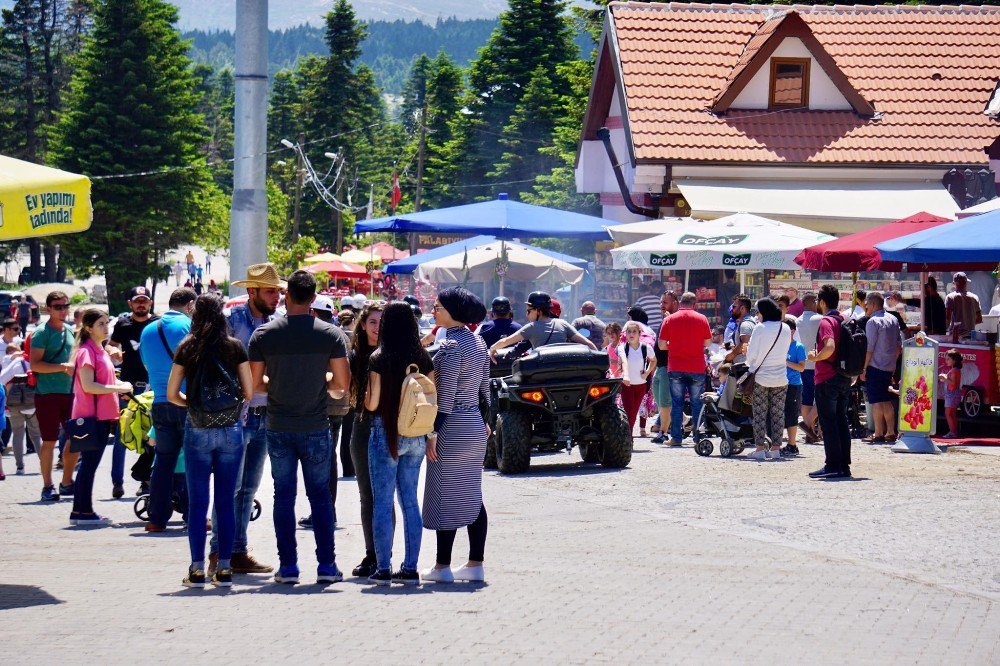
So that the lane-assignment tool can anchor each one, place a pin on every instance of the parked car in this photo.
(6, 297)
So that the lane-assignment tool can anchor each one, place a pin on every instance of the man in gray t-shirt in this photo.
(588, 325)
(296, 352)
(548, 332)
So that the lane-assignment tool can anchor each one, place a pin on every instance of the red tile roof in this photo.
(928, 71)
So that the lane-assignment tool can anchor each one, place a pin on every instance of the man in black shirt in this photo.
(125, 336)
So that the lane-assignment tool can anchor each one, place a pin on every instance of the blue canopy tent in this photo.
(502, 218)
(408, 265)
(972, 243)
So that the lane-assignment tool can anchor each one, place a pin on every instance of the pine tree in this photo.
(444, 102)
(131, 108)
(283, 120)
(532, 39)
(415, 93)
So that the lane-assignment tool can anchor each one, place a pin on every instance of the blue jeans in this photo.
(117, 456)
(388, 477)
(212, 452)
(693, 383)
(313, 450)
(247, 481)
(168, 420)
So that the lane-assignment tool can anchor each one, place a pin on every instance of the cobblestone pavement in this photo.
(678, 559)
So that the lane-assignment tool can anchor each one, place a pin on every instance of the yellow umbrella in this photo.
(360, 257)
(38, 200)
(322, 257)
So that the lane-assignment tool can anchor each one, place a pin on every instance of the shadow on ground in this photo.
(25, 596)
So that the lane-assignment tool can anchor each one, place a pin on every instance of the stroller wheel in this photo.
(739, 448)
(255, 514)
(725, 448)
(141, 507)
(704, 447)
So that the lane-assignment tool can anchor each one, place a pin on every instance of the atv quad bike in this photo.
(554, 398)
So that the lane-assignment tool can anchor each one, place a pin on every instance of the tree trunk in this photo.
(35, 251)
(51, 259)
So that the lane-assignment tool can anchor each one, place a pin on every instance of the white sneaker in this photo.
(759, 454)
(774, 454)
(438, 575)
(471, 574)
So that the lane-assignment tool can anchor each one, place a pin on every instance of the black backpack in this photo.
(852, 346)
(214, 396)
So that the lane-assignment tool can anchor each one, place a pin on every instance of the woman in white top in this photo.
(766, 355)
(638, 362)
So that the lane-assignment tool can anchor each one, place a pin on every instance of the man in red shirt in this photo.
(832, 389)
(687, 335)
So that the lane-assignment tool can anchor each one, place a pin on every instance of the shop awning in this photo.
(828, 206)
(37, 200)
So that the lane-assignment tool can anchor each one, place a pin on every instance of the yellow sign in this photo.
(37, 201)
(918, 386)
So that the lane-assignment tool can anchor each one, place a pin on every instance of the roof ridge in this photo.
(740, 8)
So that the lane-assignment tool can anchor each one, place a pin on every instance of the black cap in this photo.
(411, 300)
(501, 305)
(539, 299)
(138, 292)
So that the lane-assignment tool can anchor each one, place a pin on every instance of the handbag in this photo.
(81, 433)
(743, 402)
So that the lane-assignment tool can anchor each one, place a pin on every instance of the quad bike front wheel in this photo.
(513, 442)
(616, 434)
(490, 461)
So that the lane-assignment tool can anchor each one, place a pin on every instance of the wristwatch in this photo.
(432, 433)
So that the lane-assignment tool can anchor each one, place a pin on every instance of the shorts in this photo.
(877, 385)
(793, 405)
(52, 409)
(661, 388)
(808, 388)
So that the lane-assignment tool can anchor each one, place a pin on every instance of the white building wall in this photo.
(823, 94)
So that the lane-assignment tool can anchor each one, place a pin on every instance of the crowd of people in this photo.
(231, 390)
(287, 377)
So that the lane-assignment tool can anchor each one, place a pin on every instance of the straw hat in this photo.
(262, 276)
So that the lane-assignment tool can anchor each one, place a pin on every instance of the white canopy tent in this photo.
(979, 209)
(741, 242)
(479, 264)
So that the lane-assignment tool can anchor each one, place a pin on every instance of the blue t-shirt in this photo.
(796, 354)
(176, 326)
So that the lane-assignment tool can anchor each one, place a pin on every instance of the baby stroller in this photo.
(735, 431)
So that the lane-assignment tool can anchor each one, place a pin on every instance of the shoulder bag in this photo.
(82, 432)
(743, 402)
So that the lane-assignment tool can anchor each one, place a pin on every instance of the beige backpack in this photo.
(417, 404)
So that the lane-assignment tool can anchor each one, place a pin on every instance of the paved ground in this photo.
(679, 559)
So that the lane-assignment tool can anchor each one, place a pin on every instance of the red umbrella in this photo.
(338, 270)
(857, 252)
(386, 252)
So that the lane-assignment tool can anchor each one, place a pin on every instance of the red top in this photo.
(828, 328)
(686, 331)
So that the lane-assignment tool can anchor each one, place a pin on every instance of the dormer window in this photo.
(789, 83)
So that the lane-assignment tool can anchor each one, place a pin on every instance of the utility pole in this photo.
(299, 168)
(421, 156)
(338, 217)
(248, 218)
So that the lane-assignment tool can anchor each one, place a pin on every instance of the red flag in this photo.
(397, 194)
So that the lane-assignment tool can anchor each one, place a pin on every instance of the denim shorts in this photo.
(877, 385)
(808, 388)
(661, 388)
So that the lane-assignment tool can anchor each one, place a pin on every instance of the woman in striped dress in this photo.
(453, 494)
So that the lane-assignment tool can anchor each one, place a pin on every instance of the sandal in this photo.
(874, 439)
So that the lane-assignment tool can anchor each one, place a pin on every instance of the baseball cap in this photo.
(556, 308)
(960, 275)
(322, 303)
(138, 292)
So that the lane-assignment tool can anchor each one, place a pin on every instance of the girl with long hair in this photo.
(393, 460)
(363, 343)
(95, 394)
(211, 362)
